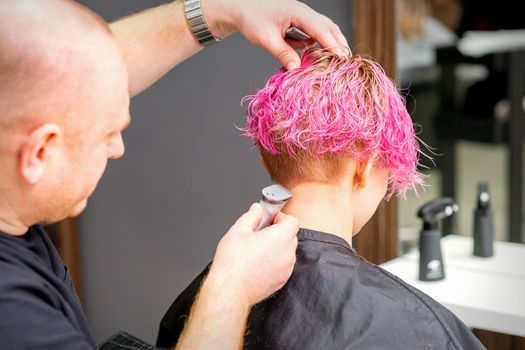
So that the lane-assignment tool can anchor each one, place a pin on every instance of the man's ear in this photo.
(362, 174)
(36, 150)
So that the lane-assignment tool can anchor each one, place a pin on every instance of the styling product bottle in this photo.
(483, 223)
(431, 266)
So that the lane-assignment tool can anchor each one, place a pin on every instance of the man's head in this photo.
(63, 104)
(331, 117)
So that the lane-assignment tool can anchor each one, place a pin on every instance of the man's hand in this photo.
(154, 41)
(254, 265)
(248, 266)
(264, 24)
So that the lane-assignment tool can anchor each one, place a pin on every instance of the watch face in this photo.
(190, 5)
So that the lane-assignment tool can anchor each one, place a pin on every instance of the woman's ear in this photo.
(362, 174)
(36, 151)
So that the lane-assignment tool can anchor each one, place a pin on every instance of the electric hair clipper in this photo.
(273, 199)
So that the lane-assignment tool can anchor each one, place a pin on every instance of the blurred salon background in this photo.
(158, 213)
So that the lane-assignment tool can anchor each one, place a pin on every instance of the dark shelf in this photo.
(458, 126)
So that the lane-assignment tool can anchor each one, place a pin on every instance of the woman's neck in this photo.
(323, 207)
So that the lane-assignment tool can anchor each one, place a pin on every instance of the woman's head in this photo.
(308, 120)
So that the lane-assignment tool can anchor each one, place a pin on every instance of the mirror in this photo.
(460, 63)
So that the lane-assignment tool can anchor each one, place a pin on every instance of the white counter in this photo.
(485, 293)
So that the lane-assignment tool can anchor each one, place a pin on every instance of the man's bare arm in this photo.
(217, 319)
(248, 266)
(153, 42)
(156, 40)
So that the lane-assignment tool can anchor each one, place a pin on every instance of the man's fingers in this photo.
(300, 44)
(282, 51)
(323, 31)
(324, 38)
(285, 224)
(339, 37)
(251, 218)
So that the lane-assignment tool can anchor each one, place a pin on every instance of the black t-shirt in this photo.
(337, 300)
(39, 308)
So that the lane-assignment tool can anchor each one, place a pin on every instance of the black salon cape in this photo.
(337, 300)
(39, 308)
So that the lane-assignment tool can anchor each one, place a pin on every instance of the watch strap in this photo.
(198, 25)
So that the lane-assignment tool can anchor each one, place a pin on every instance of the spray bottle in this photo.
(431, 266)
(483, 223)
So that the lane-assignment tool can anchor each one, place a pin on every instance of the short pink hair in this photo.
(331, 105)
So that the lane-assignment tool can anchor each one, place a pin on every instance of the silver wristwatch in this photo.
(198, 25)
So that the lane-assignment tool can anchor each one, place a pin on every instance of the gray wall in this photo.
(158, 213)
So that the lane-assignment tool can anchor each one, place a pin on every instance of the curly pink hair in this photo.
(336, 106)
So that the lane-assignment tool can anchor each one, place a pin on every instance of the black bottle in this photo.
(431, 266)
(483, 223)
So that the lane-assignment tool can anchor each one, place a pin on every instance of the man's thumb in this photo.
(283, 52)
(251, 218)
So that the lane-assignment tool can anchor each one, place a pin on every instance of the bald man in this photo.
(65, 84)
